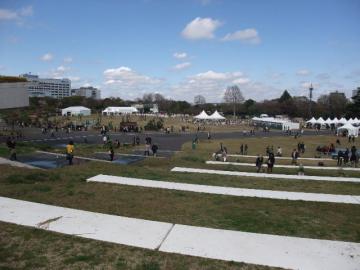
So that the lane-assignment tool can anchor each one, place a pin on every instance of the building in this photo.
(89, 92)
(119, 110)
(55, 88)
(75, 110)
(13, 92)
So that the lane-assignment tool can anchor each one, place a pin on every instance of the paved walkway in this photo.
(240, 192)
(284, 166)
(16, 163)
(266, 175)
(263, 249)
(286, 158)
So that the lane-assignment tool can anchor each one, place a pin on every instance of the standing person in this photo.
(111, 153)
(224, 154)
(209, 136)
(245, 149)
(294, 156)
(70, 152)
(270, 162)
(259, 161)
(279, 151)
(11, 144)
(346, 156)
(154, 149)
(147, 149)
(340, 157)
(353, 157)
(105, 139)
(241, 149)
(137, 140)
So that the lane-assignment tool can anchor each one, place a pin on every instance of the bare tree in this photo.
(199, 99)
(233, 96)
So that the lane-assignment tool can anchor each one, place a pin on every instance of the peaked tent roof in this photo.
(202, 116)
(343, 121)
(328, 121)
(217, 116)
(311, 121)
(320, 121)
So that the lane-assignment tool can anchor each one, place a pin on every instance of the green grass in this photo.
(27, 248)
(68, 187)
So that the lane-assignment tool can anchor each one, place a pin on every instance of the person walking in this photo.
(353, 157)
(11, 144)
(70, 152)
(154, 149)
(294, 156)
(245, 149)
(241, 149)
(270, 163)
(111, 153)
(258, 163)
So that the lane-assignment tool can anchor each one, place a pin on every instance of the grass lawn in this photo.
(67, 187)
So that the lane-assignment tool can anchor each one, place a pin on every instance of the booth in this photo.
(75, 110)
(350, 129)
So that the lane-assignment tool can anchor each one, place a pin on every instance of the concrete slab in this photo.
(110, 228)
(284, 166)
(286, 158)
(4, 161)
(263, 249)
(265, 175)
(240, 192)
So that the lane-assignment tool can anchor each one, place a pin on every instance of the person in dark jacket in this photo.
(154, 149)
(259, 161)
(270, 162)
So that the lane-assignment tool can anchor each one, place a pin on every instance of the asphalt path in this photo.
(171, 142)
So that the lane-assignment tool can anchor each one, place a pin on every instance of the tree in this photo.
(199, 100)
(233, 96)
(285, 97)
(353, 109)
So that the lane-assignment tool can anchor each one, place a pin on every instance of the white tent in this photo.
(119, 110)
(311, 121)
(75, 110)
(335, 121)
(216, 116)
(352, 131)
(329, 121)
(343, 121)
(320, 121)
(202, 116)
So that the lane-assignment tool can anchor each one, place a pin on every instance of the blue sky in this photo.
(184, 48)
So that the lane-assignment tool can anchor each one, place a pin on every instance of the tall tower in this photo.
(310, 98)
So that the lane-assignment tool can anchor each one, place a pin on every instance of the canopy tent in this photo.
(342, 121)
(352, 131)
(320, 121)
(75, 110)
(335, 121)
(216, 116)
(202, 116)
(311, 121)
(119, 110)
(329, 121)
(283, 124)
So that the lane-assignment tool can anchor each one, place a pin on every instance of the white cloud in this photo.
(74, 78)
(68, 59)
(47, 57)
(201, 28)
(125, 82)
(249, 35)
(182, 66)
(8, 14)
(26, 11)
(210, 84)
(303, 72)
(180, 55)
(62, 69)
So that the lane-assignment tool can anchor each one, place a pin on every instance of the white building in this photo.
(89, 92)
(119, 110)
(55, 88)
(13, 94)
(75, 110)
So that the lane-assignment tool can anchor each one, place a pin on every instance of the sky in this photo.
(185, 48)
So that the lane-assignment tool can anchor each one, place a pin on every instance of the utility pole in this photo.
(310, 98)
